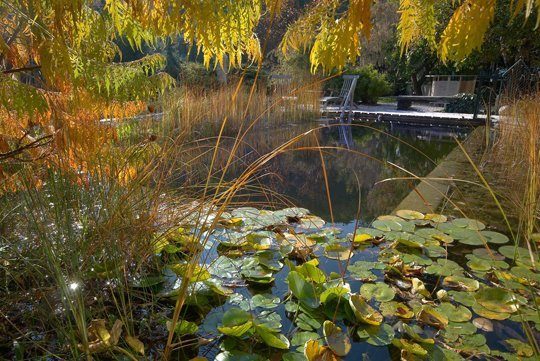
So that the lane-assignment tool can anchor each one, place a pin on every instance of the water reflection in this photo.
(355, 157)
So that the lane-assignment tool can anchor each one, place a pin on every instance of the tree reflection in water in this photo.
(356, 157)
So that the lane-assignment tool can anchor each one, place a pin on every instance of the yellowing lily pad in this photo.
(336, 339)
(363, 311)
(408, 214)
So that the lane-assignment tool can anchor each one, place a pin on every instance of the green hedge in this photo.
(370, 87)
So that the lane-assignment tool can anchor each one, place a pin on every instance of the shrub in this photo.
(196, 74)
(463, 103)
(370, 87)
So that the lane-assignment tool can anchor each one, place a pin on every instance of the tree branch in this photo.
(24, 68)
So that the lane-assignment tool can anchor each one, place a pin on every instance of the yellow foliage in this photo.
(466, 30)
(417, 20)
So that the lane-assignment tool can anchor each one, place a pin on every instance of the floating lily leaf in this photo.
(409, 243)
(303, 290)
(311, 272)
(492, 315)
(198, 273)
(461, 283)
(445, 267)
(271, 338)
(465, 298)
(363, 311)
(294, 356)
(265, 301)
(410, 347)
(372, 232)
(396, 309)
(315, 352)
(483, 323)
(488, 255)
(362, 238)
(387, 226)
(495, 237)
(415, 336)
(311, 222)
(308, 322)
(432, 317)
(475, 344)
(300, 338)
(336, 339)
(235, 322)
(522, 255)
(471, 224)
(478, 264)
(217, 287)
(150, 281)
(380, 291)
(270, 260)
(454, 313)
(497, 299)
(338, 252)
(436, 218)
(525, 275)
(420, 260)
(377, 335)
(408, 214)
(336, 292)
(389, 217)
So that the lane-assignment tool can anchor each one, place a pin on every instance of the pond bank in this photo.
(430, 193)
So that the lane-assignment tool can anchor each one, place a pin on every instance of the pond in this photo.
(368, 154)
(259, 254)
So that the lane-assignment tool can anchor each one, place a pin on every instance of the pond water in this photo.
(366, 155)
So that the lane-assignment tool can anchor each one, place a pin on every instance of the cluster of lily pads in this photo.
(396, 285)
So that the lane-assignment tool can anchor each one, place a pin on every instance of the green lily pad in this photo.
(445, 267)
(495, 237)
(436, 218)
(489, 314)
(410, 347)
(235, 322)
(471, 224)
(387, 225)
(497, 299)
(303, 290)
(380, 291)
(376, 335)
(266, 300)
(413, 334)
(238, 356)
(521, 349)
(465, 298)
(454, 313)
(300, 338)
(271, 338)
(338, 252)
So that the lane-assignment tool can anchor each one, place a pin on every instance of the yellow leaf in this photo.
(135, 344)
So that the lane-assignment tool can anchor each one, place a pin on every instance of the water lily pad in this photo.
(461, 283)
(336, 339)
(429, 316)
(436, 218)
(521, 349)
(454, 313)
(362, 238)
(445, 267)
(410, 347)
(492, 315)
(363, 311)
(471, 224)
(311, 222)
(238, 356)
(387, 226)
(497, 299)
(488, 254)
(376, 335)
(313, 351)
(310, 271)
(495, 237)
(235, 322)
(300, 338)
(415, 336)
(465, 298)
(396, 309)
(308, 322)
(303, 290)
(478, 264)
(338, 252)
(380, 291)
(198, 272)
(266, 300)
(408, 214)
(271, 338)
